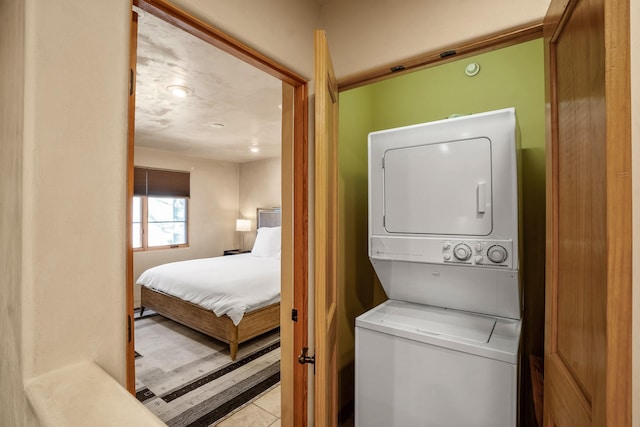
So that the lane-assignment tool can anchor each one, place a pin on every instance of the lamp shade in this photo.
(243, 225)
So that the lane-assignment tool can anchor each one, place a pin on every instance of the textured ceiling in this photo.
(225, 90)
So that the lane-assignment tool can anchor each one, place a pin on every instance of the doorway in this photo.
(292, 108)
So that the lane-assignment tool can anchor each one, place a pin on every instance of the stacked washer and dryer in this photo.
(444, 242)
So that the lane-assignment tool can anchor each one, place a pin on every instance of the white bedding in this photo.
(231, 285)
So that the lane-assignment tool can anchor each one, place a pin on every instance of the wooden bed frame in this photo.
(221, 328)
(203, 320)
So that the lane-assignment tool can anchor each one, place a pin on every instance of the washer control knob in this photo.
(446, 246)
(462, 252)
(447, 257)
(479, 247)
(479, 259)
(497, 254)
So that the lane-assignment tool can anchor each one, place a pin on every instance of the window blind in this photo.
(158, 183)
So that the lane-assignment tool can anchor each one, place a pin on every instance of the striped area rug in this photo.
(188, 379)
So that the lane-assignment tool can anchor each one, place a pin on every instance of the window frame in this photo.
(144, 225)
(159, 183)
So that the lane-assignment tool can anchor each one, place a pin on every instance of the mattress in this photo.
(231, 285)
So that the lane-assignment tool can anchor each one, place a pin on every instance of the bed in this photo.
(230, 298)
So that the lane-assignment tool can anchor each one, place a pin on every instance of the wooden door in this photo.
(326, 235)
(588, 291)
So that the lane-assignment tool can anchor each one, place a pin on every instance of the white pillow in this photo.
(267, 242)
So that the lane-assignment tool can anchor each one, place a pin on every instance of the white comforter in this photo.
(231, 285)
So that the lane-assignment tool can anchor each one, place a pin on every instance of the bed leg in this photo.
(141, 311)
(233, 350)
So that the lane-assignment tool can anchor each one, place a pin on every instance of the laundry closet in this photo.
(508, 77)
(444, 240)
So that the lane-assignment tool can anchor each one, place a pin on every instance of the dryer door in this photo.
(442, 188)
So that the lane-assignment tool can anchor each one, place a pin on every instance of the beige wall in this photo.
(279, 29)
(260, 184)
(74, 166)
(213, 208)
(364, 34)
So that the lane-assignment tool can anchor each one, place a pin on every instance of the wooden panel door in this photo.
(326, 235)
(588, 289)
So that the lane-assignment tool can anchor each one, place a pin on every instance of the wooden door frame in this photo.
(454, 52)
(295, 203)
(130, 340)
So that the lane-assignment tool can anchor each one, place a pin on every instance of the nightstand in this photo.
(236, 251)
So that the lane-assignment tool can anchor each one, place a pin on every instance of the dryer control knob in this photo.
(447, 257)
(479, 247)
(497, 254)
(479, 259)
(446, 246)
(462, 252)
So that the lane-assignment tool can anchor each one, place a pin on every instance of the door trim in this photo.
(130, 339)
(474, 46)
(295, 174)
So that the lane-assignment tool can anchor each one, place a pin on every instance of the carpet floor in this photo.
(188, 379)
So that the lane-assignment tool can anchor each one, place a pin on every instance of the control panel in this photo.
(474, 252)
(488, 253)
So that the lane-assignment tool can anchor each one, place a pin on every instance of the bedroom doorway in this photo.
(293, 178)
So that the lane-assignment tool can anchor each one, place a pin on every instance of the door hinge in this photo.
(130, 81)
(129, 328)
(294, 315)
(304, 359)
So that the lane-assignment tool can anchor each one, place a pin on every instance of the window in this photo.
(160, 209)
(137, 222)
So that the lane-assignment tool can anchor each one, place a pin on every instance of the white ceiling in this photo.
(225, 90)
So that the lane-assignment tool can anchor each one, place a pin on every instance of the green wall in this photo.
(508, 77)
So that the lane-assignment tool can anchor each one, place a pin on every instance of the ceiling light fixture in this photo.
(179, 90)
(254, 149)
(217, 125)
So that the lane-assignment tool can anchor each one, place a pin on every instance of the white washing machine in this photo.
(419, 365)
(444, 241)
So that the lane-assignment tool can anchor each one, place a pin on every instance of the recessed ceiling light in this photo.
(254, 149)
(217, 125)
(179, 90)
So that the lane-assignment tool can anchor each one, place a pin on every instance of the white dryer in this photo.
(444, 241)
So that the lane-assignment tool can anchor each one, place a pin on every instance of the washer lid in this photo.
(440, 321)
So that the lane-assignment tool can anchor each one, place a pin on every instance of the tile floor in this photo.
(264, 411)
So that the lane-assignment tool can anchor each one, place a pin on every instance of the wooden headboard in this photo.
(269, 217)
